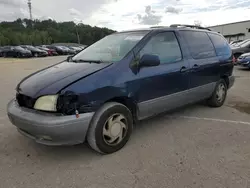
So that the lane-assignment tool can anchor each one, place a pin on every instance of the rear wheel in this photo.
(35, 55)
(110, 128)
(219, 95)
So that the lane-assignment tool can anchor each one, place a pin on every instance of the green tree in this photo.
(25, 31)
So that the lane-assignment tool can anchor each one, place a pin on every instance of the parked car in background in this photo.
(244, 60)
(15, 51)
(35, 51)
(1, 48)
(76, 49)
(241, 48)
(98, 94)
(59, 50)
(68, 50)
(51, 52)
(235, 42)
(83, 47)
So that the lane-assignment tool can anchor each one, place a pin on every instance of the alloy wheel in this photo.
(220, 93)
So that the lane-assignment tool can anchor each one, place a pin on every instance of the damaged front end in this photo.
(70, 103)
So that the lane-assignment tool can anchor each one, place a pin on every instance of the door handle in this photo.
(196, 66)
(183, 69)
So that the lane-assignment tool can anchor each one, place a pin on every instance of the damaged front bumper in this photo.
(48, 128)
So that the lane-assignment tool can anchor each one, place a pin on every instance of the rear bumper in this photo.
(231, 81)
(49, 129)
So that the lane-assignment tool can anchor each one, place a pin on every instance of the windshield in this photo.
(61, 47)
(41, 48)
(31, 48)
(112, 48)
(18, 48)
(64, 47)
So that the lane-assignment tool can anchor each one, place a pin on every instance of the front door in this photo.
(165, 86)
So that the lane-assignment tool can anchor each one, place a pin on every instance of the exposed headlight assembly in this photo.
(46, 103)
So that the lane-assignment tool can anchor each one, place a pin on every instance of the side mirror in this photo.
(148, 60)
(69, 58)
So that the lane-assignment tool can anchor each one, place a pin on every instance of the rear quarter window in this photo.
(221, 45)
(200, 45)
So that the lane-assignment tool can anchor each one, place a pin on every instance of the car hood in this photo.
(53, 79)
(245, 55)
(235, 47)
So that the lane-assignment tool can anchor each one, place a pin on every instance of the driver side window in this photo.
(165, 46)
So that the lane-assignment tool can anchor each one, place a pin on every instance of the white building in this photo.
(234, 31)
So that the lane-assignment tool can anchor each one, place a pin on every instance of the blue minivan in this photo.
(99, 94)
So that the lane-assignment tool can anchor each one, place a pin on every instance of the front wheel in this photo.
(110, 128)
(219, 95)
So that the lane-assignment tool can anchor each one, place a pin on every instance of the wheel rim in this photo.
(220, 93)
(35, 55)
(115, 129)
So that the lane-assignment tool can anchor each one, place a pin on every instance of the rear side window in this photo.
(165, 46)
(220, 44)
(199, 44)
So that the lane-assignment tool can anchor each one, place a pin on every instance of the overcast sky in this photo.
(129, 14)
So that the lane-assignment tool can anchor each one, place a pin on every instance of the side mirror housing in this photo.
(148, 60)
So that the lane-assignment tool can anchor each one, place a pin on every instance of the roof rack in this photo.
(190, 26)
(155, 27)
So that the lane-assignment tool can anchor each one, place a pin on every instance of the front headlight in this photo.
(46, 103)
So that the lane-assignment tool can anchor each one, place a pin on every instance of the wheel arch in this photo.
(128, 102)
(226, 78)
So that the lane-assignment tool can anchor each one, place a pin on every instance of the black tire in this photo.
(216, 101)
(95, 136)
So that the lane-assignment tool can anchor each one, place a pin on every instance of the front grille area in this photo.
(25, 101)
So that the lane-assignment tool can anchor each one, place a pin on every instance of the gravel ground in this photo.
(195, 146)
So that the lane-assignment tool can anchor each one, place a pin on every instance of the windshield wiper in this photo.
(87, 61)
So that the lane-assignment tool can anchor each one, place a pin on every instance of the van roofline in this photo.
(165, 28)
